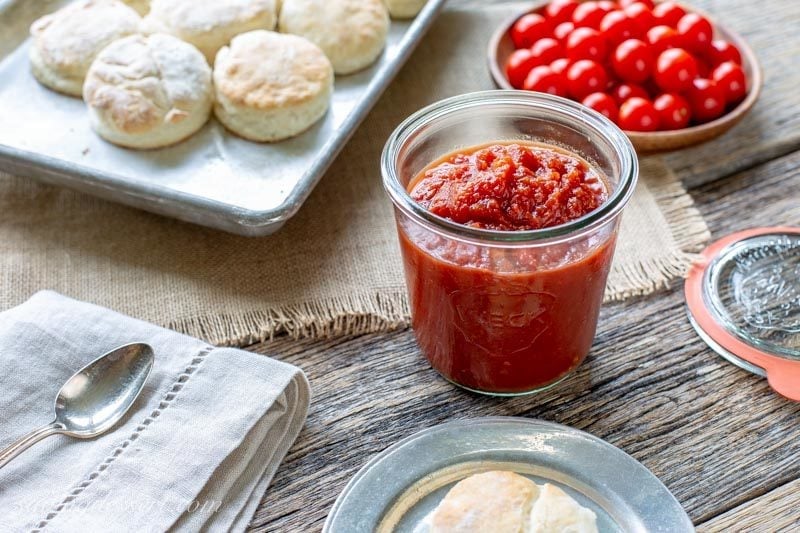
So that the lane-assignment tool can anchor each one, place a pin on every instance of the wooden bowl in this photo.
(500, 47)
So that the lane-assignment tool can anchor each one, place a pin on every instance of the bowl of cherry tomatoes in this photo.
(664, 72)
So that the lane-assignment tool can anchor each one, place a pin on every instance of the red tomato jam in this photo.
(495, 317)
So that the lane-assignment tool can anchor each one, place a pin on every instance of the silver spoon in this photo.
(94, 398)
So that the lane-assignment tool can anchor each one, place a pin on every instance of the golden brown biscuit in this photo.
(66, 42)
(352, 33)
(148, 91)
(210, 24)
(270, 86)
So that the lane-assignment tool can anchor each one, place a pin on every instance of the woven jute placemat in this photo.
(335, 267)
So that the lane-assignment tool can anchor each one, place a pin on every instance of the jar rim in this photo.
(587, 118)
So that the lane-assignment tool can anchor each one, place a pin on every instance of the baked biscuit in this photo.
(65, 43)
(493, 501)
(505, 502)
(352, 33)
(270, 86)
(555, 510)
(210, 24)
(404, 9)
(148, 91)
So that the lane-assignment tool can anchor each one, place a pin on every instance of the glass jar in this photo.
(506, 312)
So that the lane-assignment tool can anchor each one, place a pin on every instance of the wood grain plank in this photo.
(717, 436)
(714, 434)
(775, 511)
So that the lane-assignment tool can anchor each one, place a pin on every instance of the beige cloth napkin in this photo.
(195, 452)
(335, 267)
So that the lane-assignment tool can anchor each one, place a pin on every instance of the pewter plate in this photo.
(214, 178)
(401, 485)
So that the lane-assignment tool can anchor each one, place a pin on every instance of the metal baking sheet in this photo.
(214, 178)
(399, 487)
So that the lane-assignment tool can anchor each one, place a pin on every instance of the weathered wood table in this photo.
(717, 436)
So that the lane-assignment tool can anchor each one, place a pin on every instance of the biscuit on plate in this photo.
(210, 24)
(352, 33)
(555, 510)
(270, 86)
(141, 6)
(492, 501)
(404, 9)
(65, 43)
(148, 91)
(501, 502)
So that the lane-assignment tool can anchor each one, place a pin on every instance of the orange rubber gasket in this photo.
(783, 375)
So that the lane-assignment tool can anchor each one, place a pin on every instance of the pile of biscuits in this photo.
(502, 501)
(145, 71)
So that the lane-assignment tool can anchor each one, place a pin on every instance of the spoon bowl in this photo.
(99, 394)
(95, 398)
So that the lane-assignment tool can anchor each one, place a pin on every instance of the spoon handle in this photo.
(29, 440)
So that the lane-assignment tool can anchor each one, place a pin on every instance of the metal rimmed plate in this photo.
(401, 485)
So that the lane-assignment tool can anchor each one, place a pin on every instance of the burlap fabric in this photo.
(335, 267)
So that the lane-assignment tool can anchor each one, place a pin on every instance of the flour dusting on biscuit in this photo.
(148, 91)
(65, 42)
(210, 24)
(352, 33)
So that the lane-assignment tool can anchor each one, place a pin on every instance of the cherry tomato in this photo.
(585, 77)
(675, 70)
(626, 3)
(528, 29)
(586, 43)
(542, 79)
(668, 13)
(559, 11)
(703, 68)
(651, 87)
(617, 27)
(560, 66)
(673, 111)
(562, 31)
(603, 104)
(632, 60)
(638, 114)
(663, 37)
(722, 51)
(696, 31)
(641, 15)
(624, 91)
(730, 77)
(706, 99)
(588, 14)
(519, 63)
(547, 50)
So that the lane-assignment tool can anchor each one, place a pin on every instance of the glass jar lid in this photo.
(744, 301)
